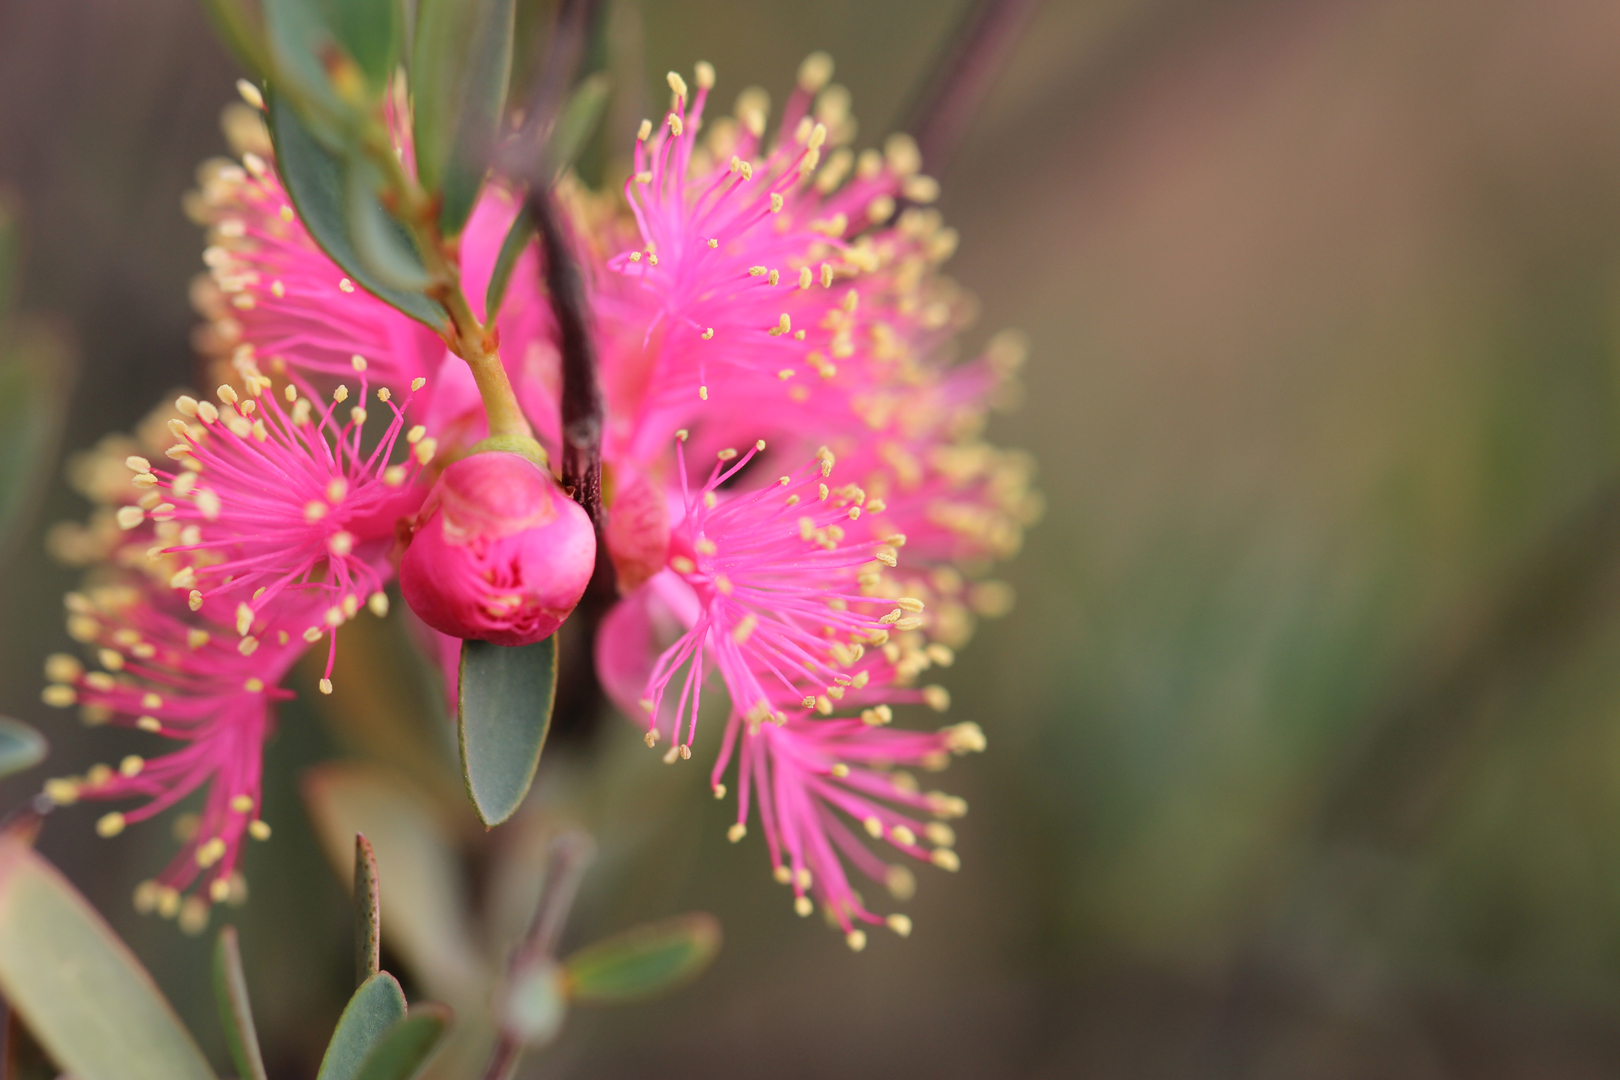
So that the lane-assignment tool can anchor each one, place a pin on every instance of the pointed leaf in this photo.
(79, 989)
(517, 239)
(643, 961)
(504, 711)
(21, 747)
(576, 123)
(235, 1010)
(367, 912)
(241, 25)
(299, 42)
(315, 181)
(384, 247)
(375, 1008)
(428, 911)
(372, 32)
(406, 1047)
(461, 63)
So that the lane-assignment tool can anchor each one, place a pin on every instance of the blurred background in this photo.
(1305, 732)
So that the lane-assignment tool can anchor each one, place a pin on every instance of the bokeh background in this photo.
(1305, 732)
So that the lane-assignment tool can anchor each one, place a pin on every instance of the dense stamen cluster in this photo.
(750, 289)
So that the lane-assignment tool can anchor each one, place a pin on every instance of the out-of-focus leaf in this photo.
(576, 123)
(643, 961)
(78, 987)
(461, 63)
(241, 24)
(535, 1003)
(376, 1007)
(406, 1047)
(21, 747)
(299, 43)
(35, 378)
(504, 711)
(315, 181)
(235, 1010)
(373, 33)
(10, 258)
(517, 239)
(427, 909)
(382, 244)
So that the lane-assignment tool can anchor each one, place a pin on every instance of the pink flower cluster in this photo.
(768, 303)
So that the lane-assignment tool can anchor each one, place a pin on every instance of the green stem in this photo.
(467, 337)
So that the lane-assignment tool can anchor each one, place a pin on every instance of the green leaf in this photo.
(240, 24)
(374, 1009)
(461, 64)
(535, 1003)
(428, 910)
(503, 712)
(517, 238)
(315, 180)
(576, 123)
(367, 912)
(372, 31)
(383, 245)
(299, 44)
(78, 987)
(406, 1047)
(235, 1010)
(21, 747)
(643, 961)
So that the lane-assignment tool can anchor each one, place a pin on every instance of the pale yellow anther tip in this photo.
(900, 924)
(736, 832)
(110, 825)
(856, 940)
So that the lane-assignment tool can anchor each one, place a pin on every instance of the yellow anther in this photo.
(736, 832)
(129, 517)
(326, 686)
(251, 95)
(901, 882)
(651, 738)
(242, 803)
(900, 924)
(815, 72)
(903, 835)
(874, 827)
(219, 890)
(676, 84)
(227, 394)
(149, 723)
(719, 791)
(131, 765)
(802, 906)
(705, 74)
(946, 859)
(259, 830)
(856, 940)
(110, 825)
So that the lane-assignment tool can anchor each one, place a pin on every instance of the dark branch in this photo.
(581, 390)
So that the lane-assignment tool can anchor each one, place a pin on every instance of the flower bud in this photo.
(499, 552)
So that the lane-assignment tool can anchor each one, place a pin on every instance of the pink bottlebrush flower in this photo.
(178, 674)
(269, 499)
(778, 601)
(773, 285)
(499, 552)
(274, 296)
(811, 778)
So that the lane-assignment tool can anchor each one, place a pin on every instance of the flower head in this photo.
(177, 674)
(265, 499)
(812, 779)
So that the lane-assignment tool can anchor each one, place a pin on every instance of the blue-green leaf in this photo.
(512, 248)
(79, 989)
(643, 961)
(21, 747)
(576, 123)
(406, 1047)
(384, 247)
(315, 181)
(461, 63)
(367, 912)
(504, 711)
(235, 1010)
(241, 24)
(376, 1007)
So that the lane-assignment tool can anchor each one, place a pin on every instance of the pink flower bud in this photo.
(500, 553)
